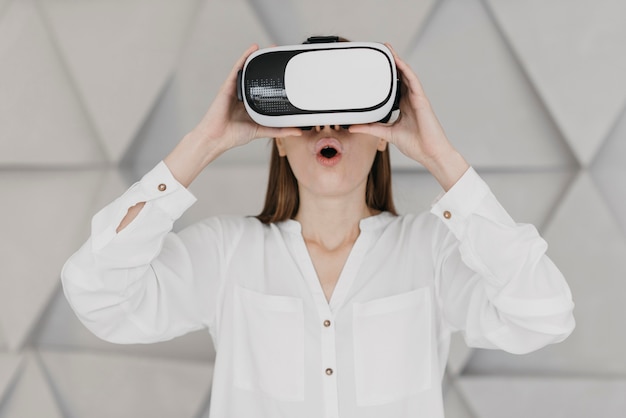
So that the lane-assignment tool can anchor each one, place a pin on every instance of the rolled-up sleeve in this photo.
(495, 282)
(142, 284)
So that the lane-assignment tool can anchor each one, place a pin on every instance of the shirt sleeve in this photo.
(495, 282)
(144, 284)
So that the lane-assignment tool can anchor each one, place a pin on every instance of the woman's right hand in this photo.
(225, 125)
(227, 119)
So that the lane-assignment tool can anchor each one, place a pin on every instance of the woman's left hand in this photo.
(418, 133)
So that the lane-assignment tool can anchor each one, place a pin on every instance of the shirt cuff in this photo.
(158, 188)
(461, 201)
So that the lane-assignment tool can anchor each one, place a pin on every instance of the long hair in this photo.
(282, 199)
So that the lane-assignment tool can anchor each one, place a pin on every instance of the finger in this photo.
(408, 75)
(267, 132)
(239, 64)
(231, 81)
(375, 129)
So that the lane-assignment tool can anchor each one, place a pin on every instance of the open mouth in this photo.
(328, 152)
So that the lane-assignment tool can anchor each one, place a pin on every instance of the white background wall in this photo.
(93, 93)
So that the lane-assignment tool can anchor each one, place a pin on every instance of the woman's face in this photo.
(330, 161)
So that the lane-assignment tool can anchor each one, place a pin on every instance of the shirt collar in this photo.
(366, 224)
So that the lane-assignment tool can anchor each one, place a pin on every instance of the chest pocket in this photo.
(392, 347)
(269, 344)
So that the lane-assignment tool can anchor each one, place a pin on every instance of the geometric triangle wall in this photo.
(461, 57)
(575, 59)
(544, 397)
(87, 382)
(31, 395)
(93, 94)
(119, 56)
(45, 232)
(9, 367)
(42, 118)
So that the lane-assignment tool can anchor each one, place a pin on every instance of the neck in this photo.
(331, 222)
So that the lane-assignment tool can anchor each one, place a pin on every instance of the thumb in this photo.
(267, 132)
(376, 129)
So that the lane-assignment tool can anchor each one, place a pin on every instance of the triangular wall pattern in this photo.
(141, 387)
(544, 397)
(573, 50)
(31, 396)
(9, 366)
(532, 93)
(45, 229)
(42, 122)
(120, 56)
(204, 64)
(293, 22)
(609, 171)
(487, 106)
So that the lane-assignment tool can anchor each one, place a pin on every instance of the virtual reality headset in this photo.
(322, 82)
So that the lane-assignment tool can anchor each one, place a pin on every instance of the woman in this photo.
(327, 304)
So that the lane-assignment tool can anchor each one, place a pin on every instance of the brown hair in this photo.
(282, 198)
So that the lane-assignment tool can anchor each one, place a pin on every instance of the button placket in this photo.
(329, 359)
(325, 323)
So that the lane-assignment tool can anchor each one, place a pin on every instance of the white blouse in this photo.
(377, 349)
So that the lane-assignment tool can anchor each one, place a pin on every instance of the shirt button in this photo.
(327, 323)
(329, 372)
(162, 187)
(447, 214)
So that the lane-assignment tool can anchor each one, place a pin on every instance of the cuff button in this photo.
(447, 214)
(162, 187)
